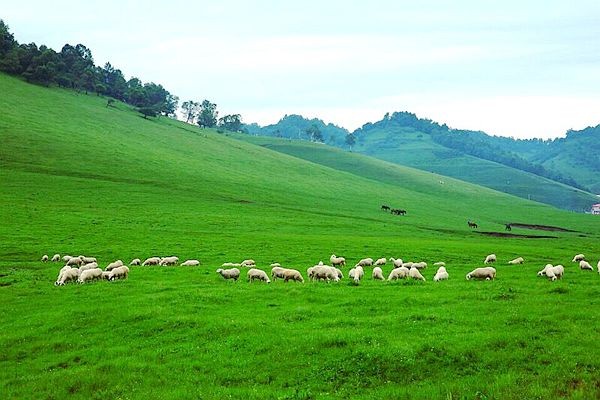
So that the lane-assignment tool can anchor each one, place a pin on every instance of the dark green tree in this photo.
(314, 133)
(190, 110)
(350, 140)
(231, 122)
(207, 116)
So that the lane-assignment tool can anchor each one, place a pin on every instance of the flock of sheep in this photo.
(82, 269)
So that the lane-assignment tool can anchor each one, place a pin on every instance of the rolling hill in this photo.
(78, 177)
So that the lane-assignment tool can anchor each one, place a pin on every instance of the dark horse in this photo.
(398, 211)
(507, 227)
(472, 224)
(385, 208)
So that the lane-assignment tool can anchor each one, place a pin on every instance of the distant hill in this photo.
(560, 172)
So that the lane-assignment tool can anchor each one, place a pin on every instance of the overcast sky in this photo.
(500, 66)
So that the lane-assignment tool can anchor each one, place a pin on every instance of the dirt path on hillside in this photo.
(539, 227)
(515, 235)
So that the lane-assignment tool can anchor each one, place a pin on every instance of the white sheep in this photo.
(190, 263)
(277, 272)
(398, 273)
(106, 275)
(45, 258)
(340, 275)
(91, 265)
(276, 264)
(323, 272)
(598, 267)
(66, 258)
(74, 261)
(232, 273)
(555, 272)
(135, 261)
(543, 271)
(254, 273)
(335, 261)
(68, 275)
(487, 273)
(173, 260)
(113, 265)
(380, 261)
(441, 274)
(490, 259)
(415, 274)
(584, 265)
(377, 274)
(365, 262)
(248, 263)
(87, 260)
(89, 275)
(439, 264)
(62, 271)
(518, 260)
(356, 273)
(229, 265)
(151, 261)
(407, 264)
(578, 257)
(118, 273)
(419, 265)
(56, 258)
(292, 274)
(397, 262)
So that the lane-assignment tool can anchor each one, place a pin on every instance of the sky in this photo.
(510, 68)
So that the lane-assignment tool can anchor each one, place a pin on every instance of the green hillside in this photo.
(78, 177)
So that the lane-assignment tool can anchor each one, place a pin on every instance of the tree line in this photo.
(73, 67)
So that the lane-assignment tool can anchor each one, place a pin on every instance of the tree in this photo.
(7, 40)
(190, 110)
(350, 140)
(148, 112)
(231, 122)
(207, 117)
(314, 133)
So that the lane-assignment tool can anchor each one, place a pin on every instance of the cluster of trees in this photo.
(73, 67)
(205, 114)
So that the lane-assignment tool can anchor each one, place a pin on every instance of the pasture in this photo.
(81, 178)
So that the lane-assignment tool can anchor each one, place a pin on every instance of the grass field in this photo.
(80, 178)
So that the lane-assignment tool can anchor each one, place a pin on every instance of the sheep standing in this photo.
(229, 265)
(544, 270)
(118, 273)
(439, 264)
(556, 272)
(88, 260)
(151, 261)
(380, 261)
(56, 258)
(337, 261)
(398, 273)
(323, 272)
(75, 261)
(275, 265)
(397, 262)
(356, 273)
(415, 274)
(248, 263)
(232, 273)
(277, 272)
(190, 263)
(377, 274)
(45, 258)
(90, 275)
(366, 262)
(407, 264)
(490, 259)
(578, 257)
(487, 273)
(135, 261)
(113, 265)
(69, 275)
(66, 258)
(419, 265)
(254, 273)
(173, 260)
(518, 260)
(584, 265)
(441, 274)
(85, 267)
(292, 274)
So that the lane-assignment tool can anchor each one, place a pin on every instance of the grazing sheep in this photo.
(87, 260)
(254, 273)
(56, 258)
(68, 275)
(323, 272)
(365, 262)
(490, 259)
(439, 264)
(356, 273)
(190, 263)
(277, 272)
(340, 275)
(441, 274)
(397, 262)
(75, 261)
(292, 274)
(113, 265)
(377, 274)
(380, 261)
(275, 265)
(419, 265)
(118, 273)
(228, 265)
(66, 258)
(555, 272)
(415, 274)
(398, 273)
(487, 273)
(584, 265)
(173, 260)
(135, 261)
(518, 260)
(89, 275)
(91, 265)
(151, 261)
(248, 263)
(543, 271)
(335, 261)
(106, 275)
(578, 257)
(407, 265)
(232, 273)
(62, 271)
(45, 258)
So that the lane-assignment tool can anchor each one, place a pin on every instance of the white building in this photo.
(596, 209)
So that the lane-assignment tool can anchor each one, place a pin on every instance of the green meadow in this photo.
(77, 177)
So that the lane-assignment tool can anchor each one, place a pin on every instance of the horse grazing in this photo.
(385, 208)
(507, 227)
(472, 225)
